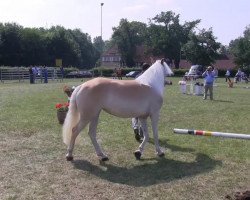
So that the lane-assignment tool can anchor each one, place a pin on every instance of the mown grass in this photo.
(33, 164)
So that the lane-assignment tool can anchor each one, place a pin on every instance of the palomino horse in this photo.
(142, 98)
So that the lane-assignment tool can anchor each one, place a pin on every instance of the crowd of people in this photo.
(42, 73)
(210, 75)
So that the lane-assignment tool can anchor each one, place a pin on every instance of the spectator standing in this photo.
(31, 75)
(208, 76)
(238, 76)
(227, 75)
(62, 72)
(45, 74)
(34, 71)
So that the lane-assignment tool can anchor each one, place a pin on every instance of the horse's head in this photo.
(154, 76)
(166, 63)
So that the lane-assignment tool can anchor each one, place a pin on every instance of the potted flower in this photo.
(62, 109)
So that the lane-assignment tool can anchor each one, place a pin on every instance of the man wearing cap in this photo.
(208, 76)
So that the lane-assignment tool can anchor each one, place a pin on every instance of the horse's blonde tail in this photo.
(71, 120)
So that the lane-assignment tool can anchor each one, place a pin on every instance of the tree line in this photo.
(21, 46)
(164, 35)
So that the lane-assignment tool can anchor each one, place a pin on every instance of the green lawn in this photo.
(33, 164)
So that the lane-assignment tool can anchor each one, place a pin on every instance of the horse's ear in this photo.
(163, 60)
(166, 61)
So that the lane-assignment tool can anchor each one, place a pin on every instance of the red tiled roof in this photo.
(226, 63)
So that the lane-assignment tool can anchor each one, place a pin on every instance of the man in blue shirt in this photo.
(208, 76)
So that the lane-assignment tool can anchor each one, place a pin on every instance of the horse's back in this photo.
(124, 98)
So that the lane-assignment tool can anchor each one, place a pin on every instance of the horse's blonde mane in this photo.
(154, 76)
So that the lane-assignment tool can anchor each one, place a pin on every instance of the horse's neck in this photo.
(153, 77)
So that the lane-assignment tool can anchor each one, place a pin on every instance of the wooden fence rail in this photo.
(23, 74)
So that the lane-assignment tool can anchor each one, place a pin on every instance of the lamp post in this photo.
(101, 37)
(101, 18)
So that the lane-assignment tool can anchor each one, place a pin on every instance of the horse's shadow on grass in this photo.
(164, 143)
(151, 171)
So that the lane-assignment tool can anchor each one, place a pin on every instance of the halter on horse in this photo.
(142, 98)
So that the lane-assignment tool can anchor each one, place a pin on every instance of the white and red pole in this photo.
(210, 133)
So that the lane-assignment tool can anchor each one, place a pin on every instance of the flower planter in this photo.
(61, 115)
(183, 89)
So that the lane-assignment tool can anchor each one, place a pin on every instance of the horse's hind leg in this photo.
(139, 152)
(75, 132)
(92, 135)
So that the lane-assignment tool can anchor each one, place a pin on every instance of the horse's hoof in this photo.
(69, 158)
(137, 155)
(104, 159)
(161, 154)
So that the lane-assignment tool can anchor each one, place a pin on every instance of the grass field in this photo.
(33, 164)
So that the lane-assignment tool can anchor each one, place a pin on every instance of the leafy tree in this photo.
(61, 45)
(127, 36)
(108, 44)
(39, 46)
(167, 35)
(33, 46)
(202, 49)
(87, 52)
(247, 32)
(223, 52)
(99, 44)
(11, 44)
(1, 43)
(240, 48)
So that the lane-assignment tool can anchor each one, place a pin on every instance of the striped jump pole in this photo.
(209, 133)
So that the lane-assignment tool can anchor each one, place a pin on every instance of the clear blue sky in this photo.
(227, 18)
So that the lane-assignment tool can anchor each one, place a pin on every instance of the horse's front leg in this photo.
(139, 152)
(92, 135)
(154, 122)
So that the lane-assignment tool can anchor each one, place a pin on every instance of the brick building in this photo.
(112, 58)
